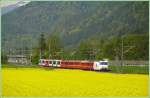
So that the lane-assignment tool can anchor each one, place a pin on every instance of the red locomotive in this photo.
(75, 64)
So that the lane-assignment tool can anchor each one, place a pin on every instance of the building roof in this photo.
(16, 56)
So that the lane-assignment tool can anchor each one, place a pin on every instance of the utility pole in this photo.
(22, 51)
(121, 56)
(31, 53)
(122, 51)
(40, 54)
(49, 51)
(119, 52)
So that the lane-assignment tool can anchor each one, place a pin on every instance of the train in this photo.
(75, 64)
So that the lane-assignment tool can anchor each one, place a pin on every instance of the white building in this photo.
(20, 59)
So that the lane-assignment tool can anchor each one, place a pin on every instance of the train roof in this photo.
(75, 60)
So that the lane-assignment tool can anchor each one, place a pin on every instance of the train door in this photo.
(58, 63)
(50, 63)
(46, 63)
(54, 64)
(41, 62)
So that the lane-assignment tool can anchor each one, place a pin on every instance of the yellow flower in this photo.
(71, 82)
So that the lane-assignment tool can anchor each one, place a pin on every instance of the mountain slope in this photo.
(73, 21)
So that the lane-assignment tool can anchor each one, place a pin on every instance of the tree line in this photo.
(131, 47)
(127, 47)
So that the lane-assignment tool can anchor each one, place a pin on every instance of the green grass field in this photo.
(39, 81)
(130, 69)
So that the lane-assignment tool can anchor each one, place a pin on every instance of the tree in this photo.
(54, 46)
(3, 58)
(35, 56)
(85, 50)
(42, 46)
(135, 47)
(110, 48)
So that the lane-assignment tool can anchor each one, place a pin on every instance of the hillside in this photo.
(73, 21)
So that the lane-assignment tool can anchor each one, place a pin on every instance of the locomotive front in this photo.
(100, 65)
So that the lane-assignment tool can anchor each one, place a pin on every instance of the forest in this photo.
(135, 47)
(77, 30)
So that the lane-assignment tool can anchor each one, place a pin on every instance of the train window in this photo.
(62, 62)
(58, 62)
(70, 63)
(73, 63)
(50, 62)
(82, 63)
(104, 63)
(91, 64)
(40, 61)
(54, 62)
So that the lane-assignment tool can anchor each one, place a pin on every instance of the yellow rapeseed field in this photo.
(69, 82)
